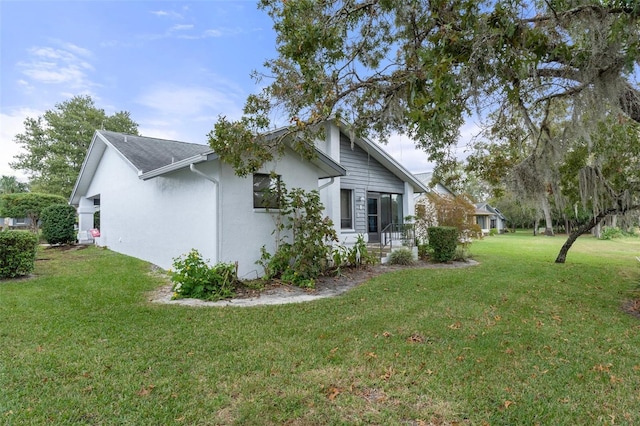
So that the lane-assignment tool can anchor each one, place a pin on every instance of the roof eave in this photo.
(88, 166)
(200, 158)
(328, 165)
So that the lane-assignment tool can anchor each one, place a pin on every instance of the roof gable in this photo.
(146, 154)
(385, 159)
(426, 178)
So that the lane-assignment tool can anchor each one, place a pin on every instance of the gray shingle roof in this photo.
(148, 154)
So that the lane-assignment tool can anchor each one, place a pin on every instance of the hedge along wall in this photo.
(443, 240)
(17, 253)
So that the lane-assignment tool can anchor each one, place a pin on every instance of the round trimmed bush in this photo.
(58, 224)
(17, 253)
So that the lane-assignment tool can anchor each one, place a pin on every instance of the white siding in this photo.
(158, 219)
(245, 229)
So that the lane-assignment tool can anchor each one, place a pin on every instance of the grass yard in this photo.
(515, 340)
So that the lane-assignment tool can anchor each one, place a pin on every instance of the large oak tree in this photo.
(421, 67)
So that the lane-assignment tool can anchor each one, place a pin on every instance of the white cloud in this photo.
(186, 113)
(11, 124)
(404, 150)
(51, 65)
(52, 74)
(182, 27)
(161, 130)
(25, 85)
(191, 101)
(212, 33)
(179, 31)
(414, 159)
(167, 13)
(77, 49)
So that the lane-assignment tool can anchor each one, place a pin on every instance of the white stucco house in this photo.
(158, 198)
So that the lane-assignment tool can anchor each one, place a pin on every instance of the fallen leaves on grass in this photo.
(415, 338)
(146, 391)
(333, 392)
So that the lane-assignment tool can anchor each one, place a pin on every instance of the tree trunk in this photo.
(548, 222)
(597, 230)
(562, 256)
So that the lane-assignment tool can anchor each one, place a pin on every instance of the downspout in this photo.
(326, 184)
(218, 224)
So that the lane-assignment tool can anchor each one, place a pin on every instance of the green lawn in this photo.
(515, 340)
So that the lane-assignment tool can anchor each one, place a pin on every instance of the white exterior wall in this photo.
(158, 219)
(330, 192)
(245, 229)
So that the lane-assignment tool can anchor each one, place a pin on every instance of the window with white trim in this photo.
(346, 209)
(266, 191)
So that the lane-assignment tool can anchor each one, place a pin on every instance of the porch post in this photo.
(85, 220)
(408, 203)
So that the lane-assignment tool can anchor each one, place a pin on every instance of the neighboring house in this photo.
(438, 187)
(14, 223)
(488, 218)
(158, 199)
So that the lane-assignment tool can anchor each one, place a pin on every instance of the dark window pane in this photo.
(346, 209)
(266, 191)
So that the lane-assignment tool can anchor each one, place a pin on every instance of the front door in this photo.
(373, 217)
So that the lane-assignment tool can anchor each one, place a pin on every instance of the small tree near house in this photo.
(443, 210)
(303, 238)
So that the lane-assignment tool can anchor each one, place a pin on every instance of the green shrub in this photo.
(354, 256)
(303, 239)
(443, 240)
(609, 233)
(424, 251)
(401, 256)
(58, 223)
(194, 278)
(493, 232)
(461, 253)
(17, 253)
(359, 254)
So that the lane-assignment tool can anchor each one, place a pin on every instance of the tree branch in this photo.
(568, 14)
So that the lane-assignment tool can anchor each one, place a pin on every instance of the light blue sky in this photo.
(175, 65)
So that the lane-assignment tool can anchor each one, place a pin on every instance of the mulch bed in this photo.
(348, 277)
